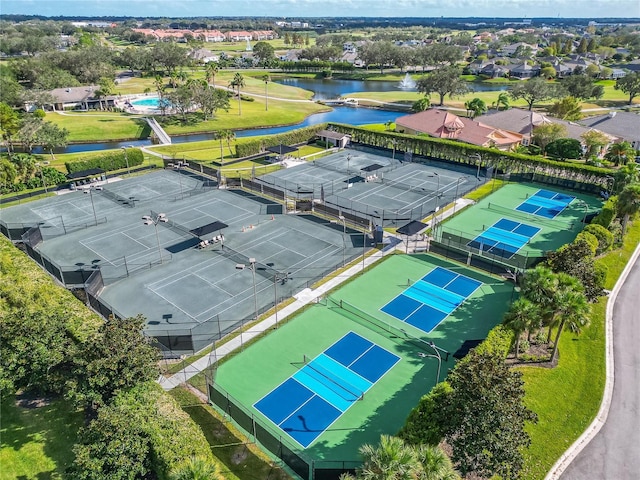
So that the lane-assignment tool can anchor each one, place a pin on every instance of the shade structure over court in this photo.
(209, 228)
(412, 228)
(282, 149)
(85, 173)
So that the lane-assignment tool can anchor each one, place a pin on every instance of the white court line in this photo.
(175, 306)
(130, 237)
(178, 276)
(91, 249)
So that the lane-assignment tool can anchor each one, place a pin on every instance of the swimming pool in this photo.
(146, 102)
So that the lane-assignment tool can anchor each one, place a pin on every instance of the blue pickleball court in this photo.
(504, 238)
(431, 299)
(314, 397)
(546, 203)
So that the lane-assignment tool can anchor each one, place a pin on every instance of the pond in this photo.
(323, 88)
(326, 89)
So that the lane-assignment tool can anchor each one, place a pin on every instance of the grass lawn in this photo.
(92, 126)
(567, 398)
(238, 458)
(36, 443)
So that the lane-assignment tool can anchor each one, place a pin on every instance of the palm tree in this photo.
(228, 136)
(522, 315)
(620, 152)
(571, 307)
(238, 82)
(435, 464)
(210, 72)
(266, 79)
(475, 107)
(628, 203)
(538, 286)
(391, 460)
(503, 99)
(196, 468)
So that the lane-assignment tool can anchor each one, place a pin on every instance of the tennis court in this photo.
(519, 222)
(504, 238)
(190, 294)
(386, 191)
(309, 401)
(431, 299)
(342, 372)
(546, 203)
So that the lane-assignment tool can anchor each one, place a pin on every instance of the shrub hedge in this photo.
(114, 160)
(604, 236)
(467, 154)
(292, 137)
(607, 214)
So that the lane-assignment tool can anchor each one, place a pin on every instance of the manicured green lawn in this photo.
(90, 126)
(239, 459)
(36, 443)
(567, 398)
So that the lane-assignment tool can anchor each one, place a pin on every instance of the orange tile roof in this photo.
(444, 124)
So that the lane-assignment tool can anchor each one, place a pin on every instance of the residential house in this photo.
(263, 35)
(525, 122)
(510, 50)
(202, 55)
(493, 70)
(624, 125)
(238, 36)
(617, 73)
(210, 36)
(79, 98)
(444, 124)
(524, 70)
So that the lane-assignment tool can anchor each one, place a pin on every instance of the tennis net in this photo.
(176, 226)
(326, 377)
(335, 168)
(429, 289)
(422, 189)
(261, 269)
(536, 219)
(376, 325)
(119, 199)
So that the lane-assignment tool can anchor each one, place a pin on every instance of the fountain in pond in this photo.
(407, 83)
(248, 48)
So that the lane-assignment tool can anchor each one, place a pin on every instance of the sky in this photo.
(327, 8)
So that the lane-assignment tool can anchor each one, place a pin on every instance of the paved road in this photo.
(614, 453)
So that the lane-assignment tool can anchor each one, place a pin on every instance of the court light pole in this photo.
(93, 206)
(478, 158)
(438, 357)
(44, 182)
(126, 159)
(344, 233)
(154, 220)
(252, 265)
(348, 162)
(455, 200)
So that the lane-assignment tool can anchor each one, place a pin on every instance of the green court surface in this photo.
(259, 369)
(554, 233)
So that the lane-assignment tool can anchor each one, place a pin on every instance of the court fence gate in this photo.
(306, 468)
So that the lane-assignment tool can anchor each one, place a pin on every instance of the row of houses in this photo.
(211, 36)
(506, 129)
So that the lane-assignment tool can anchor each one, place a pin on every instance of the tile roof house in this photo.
(623, 125)
(525, 121)
(444, 124)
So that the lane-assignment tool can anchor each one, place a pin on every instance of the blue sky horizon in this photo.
(589, 9)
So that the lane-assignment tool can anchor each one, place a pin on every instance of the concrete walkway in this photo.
(303, 298)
